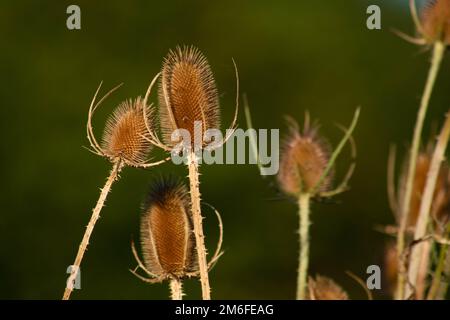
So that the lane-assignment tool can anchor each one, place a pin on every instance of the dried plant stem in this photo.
(438, 52)
(198, 226)
(436, 283)
(176, 289)
(114, 174)
(303, 260)
(425, 206)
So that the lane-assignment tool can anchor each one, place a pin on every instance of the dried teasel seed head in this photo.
(167, 237)
(435, 20)
(303, 161)
(323, 288)
(125, 132)
(187, 93)
(440, 208)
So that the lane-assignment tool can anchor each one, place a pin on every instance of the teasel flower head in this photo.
(323, 288)
(126, 137)
(303, 160)
(125, 133)
(187, 94)
(167, 238)
(435, 21)
(440, 209)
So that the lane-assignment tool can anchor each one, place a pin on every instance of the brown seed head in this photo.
(323, 288)
(187, 93)
(124, 133)
(441, 200)
(435, 18)
(166, 231)
(391, 266)
(304, 158)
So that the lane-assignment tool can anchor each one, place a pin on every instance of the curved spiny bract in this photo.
(435, 19)
(304, 158)
(166, 231)
(187, 93)
(125, 133)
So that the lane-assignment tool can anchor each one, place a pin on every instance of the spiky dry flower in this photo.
(323, 288)
(167, 237)
(435, 20)
(187, 93)
(304, 158)
(125, 133)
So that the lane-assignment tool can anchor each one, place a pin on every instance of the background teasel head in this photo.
(435, 21)
(166, 231)
(323, 288)
(440, 210)
(304, 159)
(187, 93)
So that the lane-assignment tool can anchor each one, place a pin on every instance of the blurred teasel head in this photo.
(187, 94)
(435, 21)
(125, 135)
(166, 231)
(323, 288)
(440, 209)
(303, 161)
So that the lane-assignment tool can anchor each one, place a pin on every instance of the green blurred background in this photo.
(292, 56)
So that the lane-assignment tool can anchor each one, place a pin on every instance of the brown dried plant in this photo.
(125, 143)
(323, 288)
(306, 171)
(188, 98)
(167, 237)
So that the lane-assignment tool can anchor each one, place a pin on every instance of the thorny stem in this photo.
(176, 289)
(198, 227)
(426, 202)
(303, 260)
(113, 176)
(438, 53)
(436, 284)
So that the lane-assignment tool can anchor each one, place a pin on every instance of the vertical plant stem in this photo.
(438, 52)
(425, 204)
(176, 289)
(436, 283)
(303, 259)
(198, 226)
(113, 176)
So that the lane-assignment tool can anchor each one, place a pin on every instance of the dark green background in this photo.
(292, 56)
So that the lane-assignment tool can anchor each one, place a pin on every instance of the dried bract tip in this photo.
(187, 93)
(441, 200)
(166, 231)
(435, 20)
(303, 161)
(125, 132)
(323, 288)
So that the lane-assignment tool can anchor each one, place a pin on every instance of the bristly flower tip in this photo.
(435, 20)
(323, 288)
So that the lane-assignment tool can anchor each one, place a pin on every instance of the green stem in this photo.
(438, 53)
(303, 204)
(436, 283)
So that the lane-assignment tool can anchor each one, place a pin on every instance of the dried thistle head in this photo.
(435, 21)
(125, 133)
(303, 161)
(441, 200)
(166, 231)
(187, 93)
(323, 288)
